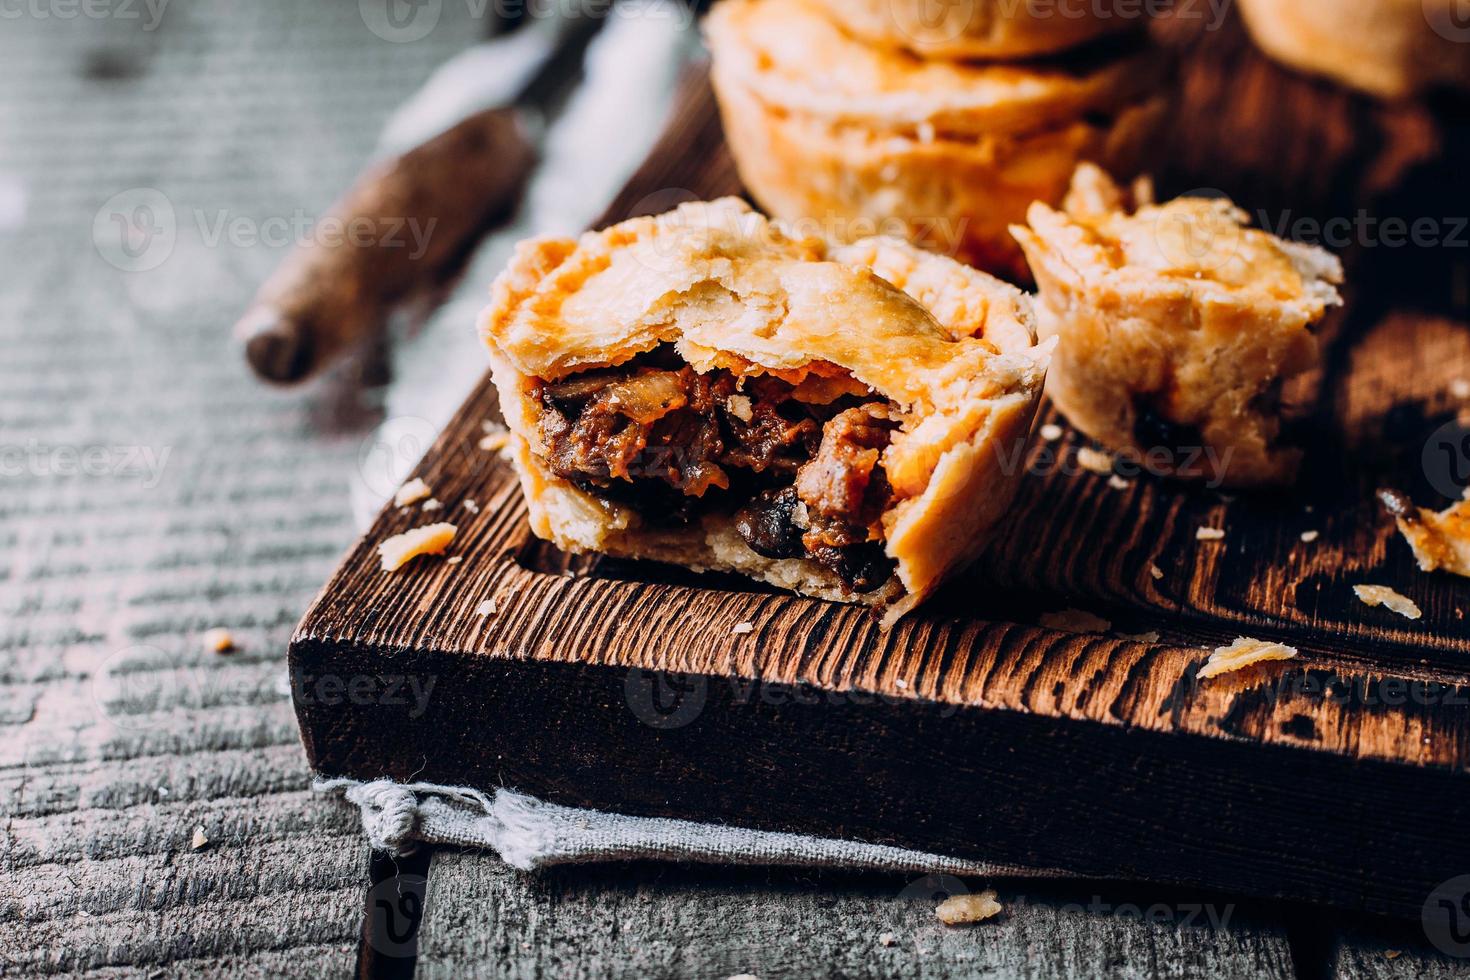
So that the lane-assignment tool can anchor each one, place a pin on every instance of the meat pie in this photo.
(847, 421)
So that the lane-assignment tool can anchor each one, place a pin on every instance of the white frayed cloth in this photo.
(529, 833)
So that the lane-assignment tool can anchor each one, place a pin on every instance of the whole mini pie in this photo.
(1177, 327)
(850, 139)
(982, 28)
(701, 388)
(1387, 47)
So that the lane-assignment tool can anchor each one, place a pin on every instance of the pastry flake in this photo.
(1178, 326)
(1242, 653)
(959, 910)
(854, 139)
(1440, 539)
(412, 492)
(218, 640)
(400, 549)
(890, 395)
(1389, 598)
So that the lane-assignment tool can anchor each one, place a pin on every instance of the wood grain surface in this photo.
(967, 729)
(151, 490)
(651, 921)
(122, 734)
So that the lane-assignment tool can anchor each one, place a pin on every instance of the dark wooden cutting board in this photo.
(1339, 777)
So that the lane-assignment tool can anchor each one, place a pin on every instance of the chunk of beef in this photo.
(845, 492)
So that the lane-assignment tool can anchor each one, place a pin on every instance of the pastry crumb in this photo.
(1051, 432)
(432, 504)
(887, 939)
(1310, 536)
(1155, 572)
(1440, 540)
(1094, 461)
(1152, 636)
(495, 442)
(200, 840)
(472, 506)
(1242, 653)
(218, 640)
(1209, 534)
(740, 407)
(486, 608)
(411, 492)
(1390, 599)
(431, 539)
(740, 629)
(1075, 621)
(965, 909)
(1392, 954)
(1118, 483)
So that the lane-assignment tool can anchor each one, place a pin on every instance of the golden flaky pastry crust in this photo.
(855, 140)
(983, 28)
(1390, 48)
(953, 348)
(1177, 327)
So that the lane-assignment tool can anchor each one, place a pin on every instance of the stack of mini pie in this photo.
(936, 123)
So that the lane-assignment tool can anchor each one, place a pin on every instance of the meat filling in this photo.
(802, 480)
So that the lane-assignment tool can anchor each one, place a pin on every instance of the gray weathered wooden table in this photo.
(150, 490)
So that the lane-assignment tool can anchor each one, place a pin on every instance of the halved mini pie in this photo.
(1178, 326)
(846, 421)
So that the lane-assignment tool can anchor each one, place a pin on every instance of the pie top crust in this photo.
(730, 289)
(952, 348)
(1191, 247)
(791, 56)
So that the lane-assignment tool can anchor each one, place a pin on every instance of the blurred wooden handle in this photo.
(401, 225)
